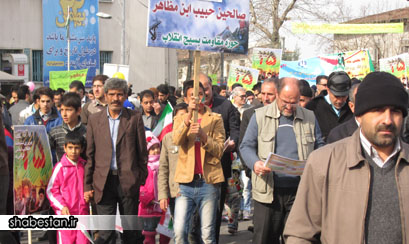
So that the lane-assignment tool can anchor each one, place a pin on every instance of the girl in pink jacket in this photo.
(66, 187)
(148, 193)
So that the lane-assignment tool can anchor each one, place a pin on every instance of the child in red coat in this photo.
(148, 193)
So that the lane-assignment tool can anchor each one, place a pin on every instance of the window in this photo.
(37, 65)
(104, 57)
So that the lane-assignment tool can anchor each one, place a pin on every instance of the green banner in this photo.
(267, 61)
(63, 79)
(396, 65)
(215, 79)
(304, 28)
(247, 77)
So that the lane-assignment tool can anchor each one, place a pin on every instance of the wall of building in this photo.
(21, 27)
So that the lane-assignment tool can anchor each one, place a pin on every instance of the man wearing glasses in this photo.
(239, 100)
(322, 81)
(99, 102)
(288, 130)
(332, 109)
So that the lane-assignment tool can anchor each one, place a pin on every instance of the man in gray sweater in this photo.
(286, 129)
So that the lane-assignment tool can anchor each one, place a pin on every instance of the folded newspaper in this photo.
(285, 165)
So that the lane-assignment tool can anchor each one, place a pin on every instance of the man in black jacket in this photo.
(348, 128)
(332, 109)
(231, 120)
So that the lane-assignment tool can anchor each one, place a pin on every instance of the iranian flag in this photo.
(164, 125)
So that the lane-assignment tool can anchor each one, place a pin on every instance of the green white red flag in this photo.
(164, 125)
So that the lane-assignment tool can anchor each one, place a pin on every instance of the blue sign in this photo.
(216, 26)
(84, 37)
(307, 69)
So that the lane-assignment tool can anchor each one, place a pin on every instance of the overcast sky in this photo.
(307, 43)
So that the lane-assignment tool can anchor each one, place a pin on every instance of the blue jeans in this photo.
(246, 201)
(202, 196)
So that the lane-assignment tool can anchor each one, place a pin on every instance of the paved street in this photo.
(241, 237)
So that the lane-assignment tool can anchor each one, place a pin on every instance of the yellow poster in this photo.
(305, 28)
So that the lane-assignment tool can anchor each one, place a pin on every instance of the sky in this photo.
(310, 46)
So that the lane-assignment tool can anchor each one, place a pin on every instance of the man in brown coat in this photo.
(356, 190)
(117, 157)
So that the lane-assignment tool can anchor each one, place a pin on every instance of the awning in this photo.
(6, 77)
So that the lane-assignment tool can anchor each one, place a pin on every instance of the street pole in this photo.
(123, 34)
(68, 37)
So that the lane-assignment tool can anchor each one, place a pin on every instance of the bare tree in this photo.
(268, 17)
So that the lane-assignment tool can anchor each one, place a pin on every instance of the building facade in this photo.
(22, 32)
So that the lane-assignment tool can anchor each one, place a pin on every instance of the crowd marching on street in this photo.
(110, 147)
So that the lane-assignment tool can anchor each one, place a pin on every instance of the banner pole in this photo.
(196, 73)
(29, 237)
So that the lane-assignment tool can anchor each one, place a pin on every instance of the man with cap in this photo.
(348, 128)
(332, 109)
(305, 93)
(356, 190)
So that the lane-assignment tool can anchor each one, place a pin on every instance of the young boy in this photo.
(65, 189)
(70, 113)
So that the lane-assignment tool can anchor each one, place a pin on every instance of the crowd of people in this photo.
(351, 133)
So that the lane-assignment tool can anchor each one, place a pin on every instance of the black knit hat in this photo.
(379, 89)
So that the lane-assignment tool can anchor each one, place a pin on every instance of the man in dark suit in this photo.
(117, 158)
(348, 128)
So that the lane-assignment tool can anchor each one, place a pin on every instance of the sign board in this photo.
(84, 35)
(396, 65)
(111, 69)
(63, 79)
(216, 26)
(248, 77)
(32, 168)
(356, 63)
(267, 61)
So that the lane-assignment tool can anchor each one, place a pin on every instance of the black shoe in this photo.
(250, 228)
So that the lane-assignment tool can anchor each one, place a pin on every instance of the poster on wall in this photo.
(83, 33)
(267, 61)
(32, 168)
(247, 77)
(216, 26)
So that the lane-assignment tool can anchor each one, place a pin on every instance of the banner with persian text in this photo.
(63, 79)
(83, 32)
(248, 77)
(356, 63)
(216, 26)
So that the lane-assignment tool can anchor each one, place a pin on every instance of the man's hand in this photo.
(231, 146)
(196, 129)
(259, 168)
(88, 195)
(192, 106)
(65, 211)
(164, 204)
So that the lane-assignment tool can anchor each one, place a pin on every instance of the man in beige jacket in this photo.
(198, 171)
(356, 190)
